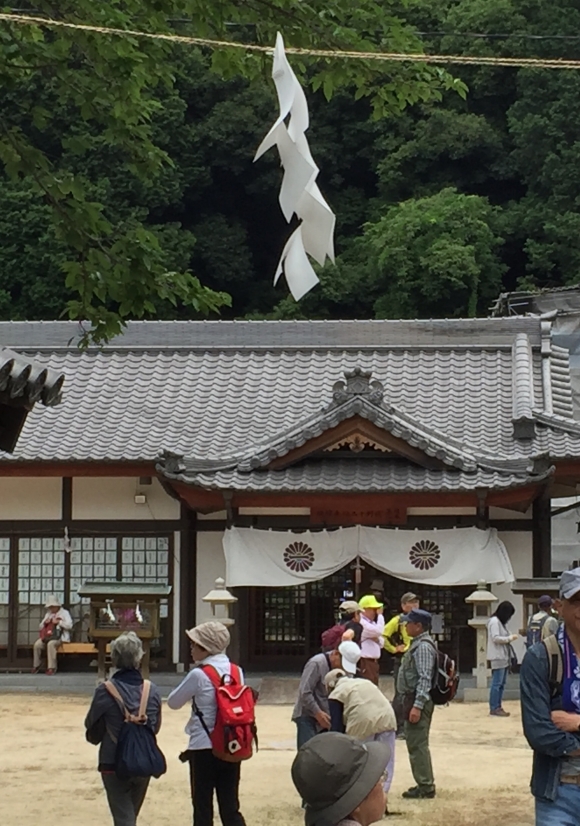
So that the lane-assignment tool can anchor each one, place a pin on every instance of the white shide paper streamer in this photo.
(299, 193)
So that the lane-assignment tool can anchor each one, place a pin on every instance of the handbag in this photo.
(50, 632)
(513, 666)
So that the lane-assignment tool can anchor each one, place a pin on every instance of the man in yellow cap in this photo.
(373, 624)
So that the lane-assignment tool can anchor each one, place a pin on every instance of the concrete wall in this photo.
(30, 497)
(519, 548)
(211, 563)
(114, 498)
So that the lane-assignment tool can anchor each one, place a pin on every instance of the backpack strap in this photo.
(141, 716)
(115, 693)
(555, 663)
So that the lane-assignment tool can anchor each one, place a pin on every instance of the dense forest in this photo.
(443, 198)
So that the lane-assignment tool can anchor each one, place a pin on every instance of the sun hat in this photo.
(53, 602)
(570, 583)
(212, 636)
(370, 601)
(351, 654)
(349, 607)
(333, 677)
(334, 773)
(419, 615)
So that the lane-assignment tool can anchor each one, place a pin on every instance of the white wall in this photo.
(519, 548)
(211, 563)
(113, 497)
(30, 497)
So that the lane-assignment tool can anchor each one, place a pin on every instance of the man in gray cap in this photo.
(550, 698)
(414, 684)
(207, 772)
(339, 780)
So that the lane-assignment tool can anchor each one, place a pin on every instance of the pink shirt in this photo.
(372, 637)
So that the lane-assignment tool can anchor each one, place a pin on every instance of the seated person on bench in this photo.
(54, 630)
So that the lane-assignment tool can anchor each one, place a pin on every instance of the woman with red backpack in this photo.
(221, 728)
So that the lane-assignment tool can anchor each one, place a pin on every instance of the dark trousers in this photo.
(369, 669)
(206, 773)
(306, 729)
(397, 699)
(417, 735)
(125, 797)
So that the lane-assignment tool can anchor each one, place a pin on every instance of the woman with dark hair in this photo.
(498, 653)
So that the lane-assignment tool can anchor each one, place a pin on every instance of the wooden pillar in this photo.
(188, 581)
(482, 518)
(542, 535)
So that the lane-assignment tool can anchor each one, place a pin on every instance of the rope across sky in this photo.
(387, 57)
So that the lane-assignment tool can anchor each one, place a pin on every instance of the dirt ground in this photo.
(482, 768)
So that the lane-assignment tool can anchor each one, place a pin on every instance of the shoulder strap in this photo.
(555, 662)
(114, 692)
(213, 675)
(144, 699)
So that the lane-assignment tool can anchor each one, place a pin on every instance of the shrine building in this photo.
(302, 461)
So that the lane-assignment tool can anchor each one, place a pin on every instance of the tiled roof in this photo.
(219, 393)
(348, 475)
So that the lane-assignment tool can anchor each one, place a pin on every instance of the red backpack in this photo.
(235, 729)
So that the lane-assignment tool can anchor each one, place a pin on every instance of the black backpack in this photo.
(137, 754)
(445, 678)
(556, 664)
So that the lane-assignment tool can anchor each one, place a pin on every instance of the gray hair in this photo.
(126, 651)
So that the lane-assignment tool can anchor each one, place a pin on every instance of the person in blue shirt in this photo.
(551, 713)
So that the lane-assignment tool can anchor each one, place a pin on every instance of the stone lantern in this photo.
(482, 600)
(220, 596)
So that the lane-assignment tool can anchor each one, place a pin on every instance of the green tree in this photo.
(112, 88)
(432, 257)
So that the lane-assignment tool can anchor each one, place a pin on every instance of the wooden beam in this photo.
(71, 469)
(542, 535)
(348, 428)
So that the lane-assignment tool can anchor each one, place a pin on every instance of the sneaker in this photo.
(499, 712)
(401, 735)
(418, 794)
(50, 672)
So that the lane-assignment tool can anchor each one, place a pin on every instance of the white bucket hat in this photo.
(53, 602)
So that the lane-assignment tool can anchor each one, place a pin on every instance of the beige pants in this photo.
(51, 648)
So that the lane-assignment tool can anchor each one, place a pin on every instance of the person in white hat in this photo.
(207, 772)
(55, 629)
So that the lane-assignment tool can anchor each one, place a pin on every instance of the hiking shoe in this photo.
(418, 794)
(499, 712)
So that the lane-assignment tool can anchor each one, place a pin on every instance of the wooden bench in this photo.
(79, 648)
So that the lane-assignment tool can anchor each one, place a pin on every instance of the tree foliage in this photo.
(79, 128)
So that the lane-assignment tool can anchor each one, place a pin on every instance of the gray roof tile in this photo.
(213, 390)
(347, 475)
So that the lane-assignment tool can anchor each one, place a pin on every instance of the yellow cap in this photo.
(369, 602)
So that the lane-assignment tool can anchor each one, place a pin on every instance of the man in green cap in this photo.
(340, 780)
(373, 625)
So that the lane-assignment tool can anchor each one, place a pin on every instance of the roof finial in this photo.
(358, 383)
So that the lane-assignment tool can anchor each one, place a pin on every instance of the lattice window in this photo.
(41, 572)
(4, 591)
(91, 558)
(145, 559)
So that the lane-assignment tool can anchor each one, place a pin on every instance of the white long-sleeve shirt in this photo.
(372, 637)
(66, 622)
(197, 688)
